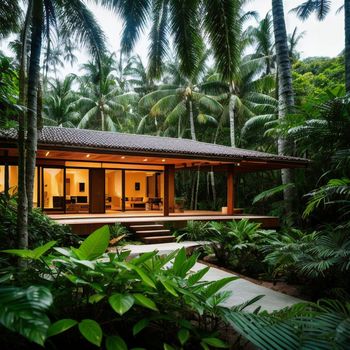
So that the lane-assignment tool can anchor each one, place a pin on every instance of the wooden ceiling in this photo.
(53, 156)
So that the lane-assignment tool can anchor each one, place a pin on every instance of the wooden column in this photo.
(230, 190)
(169, 190)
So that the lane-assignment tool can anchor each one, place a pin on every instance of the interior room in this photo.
(77, 190)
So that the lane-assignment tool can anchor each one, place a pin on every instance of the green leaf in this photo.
(39, 251)
(22, 253)
(95, 298)
(195, 277)
(115, 343)
(139, 326)
(144, 277)
(215, 342)
(271, 192)
(167, 285)
(121, 303)
(217, 285)
(144, 301)
(60, 326)
(179, 260)
(183, 335)
(95, 244)
(168, 347)
(23, 310)
(91, 331)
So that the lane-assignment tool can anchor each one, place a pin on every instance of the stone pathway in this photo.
(242, 290)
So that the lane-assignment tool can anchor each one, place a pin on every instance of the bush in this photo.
(194, 231)
(237, 245)
(41, 228)
(110, 299)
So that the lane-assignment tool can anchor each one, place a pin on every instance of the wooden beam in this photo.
(169, 190)
(230, 190)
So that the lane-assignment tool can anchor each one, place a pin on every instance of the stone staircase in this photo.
(151, 232)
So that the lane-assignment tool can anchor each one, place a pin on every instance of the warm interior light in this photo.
(163, 160)
(47, 153)
(123, 157)
(145, 160)
(238, 164)
(88, 155)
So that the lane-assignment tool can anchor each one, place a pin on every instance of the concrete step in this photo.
(152, 233)
(158, 239)
(146, 227)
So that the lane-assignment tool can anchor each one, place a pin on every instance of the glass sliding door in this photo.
(53, 189)
(77, 190)
(113, 190)
(143, 190)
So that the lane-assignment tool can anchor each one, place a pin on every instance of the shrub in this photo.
(108, 298)
(194, 231)
(41, 228)
(237, 244)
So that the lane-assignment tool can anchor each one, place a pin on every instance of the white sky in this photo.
(321, 39)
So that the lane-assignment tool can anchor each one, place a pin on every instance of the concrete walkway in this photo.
(242, 290)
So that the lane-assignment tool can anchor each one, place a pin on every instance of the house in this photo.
(88, 173)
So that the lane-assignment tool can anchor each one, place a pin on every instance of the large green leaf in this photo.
(23, 310)
(115, 343)
(34, 254)
(94, 245)
(60, 326)
(145, 301)
(271, 192)
(91, 331)
(121, 303)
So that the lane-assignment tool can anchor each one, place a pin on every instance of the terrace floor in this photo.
(147, 216)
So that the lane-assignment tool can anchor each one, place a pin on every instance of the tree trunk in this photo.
(102, 118)
(22, 203)
(33, 82)
(285, 89)
(193, 130)
(347, 44)
(231, 112)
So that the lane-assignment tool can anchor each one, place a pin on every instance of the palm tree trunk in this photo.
(193, 130)
(285, 89)
(102, 119)
(22, 203)
(33, 82)
(347, 44)
(231, 111)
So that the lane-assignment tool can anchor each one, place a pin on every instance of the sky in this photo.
(324, 38)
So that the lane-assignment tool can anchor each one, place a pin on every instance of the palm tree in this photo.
(247, 95)
(59, 104)
(103, 102)
(262, 36)
(293, 41)
(322, 8)
(180, 101)
(10, 14)
(182, 20)
(75, 20)
(285, 89)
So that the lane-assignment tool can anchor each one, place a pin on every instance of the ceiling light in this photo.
(145, 160)
(123, 157)
(238, 164)
(163, 160)
(47, 153)
(88, 155)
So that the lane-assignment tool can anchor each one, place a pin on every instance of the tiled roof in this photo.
(82, 139)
